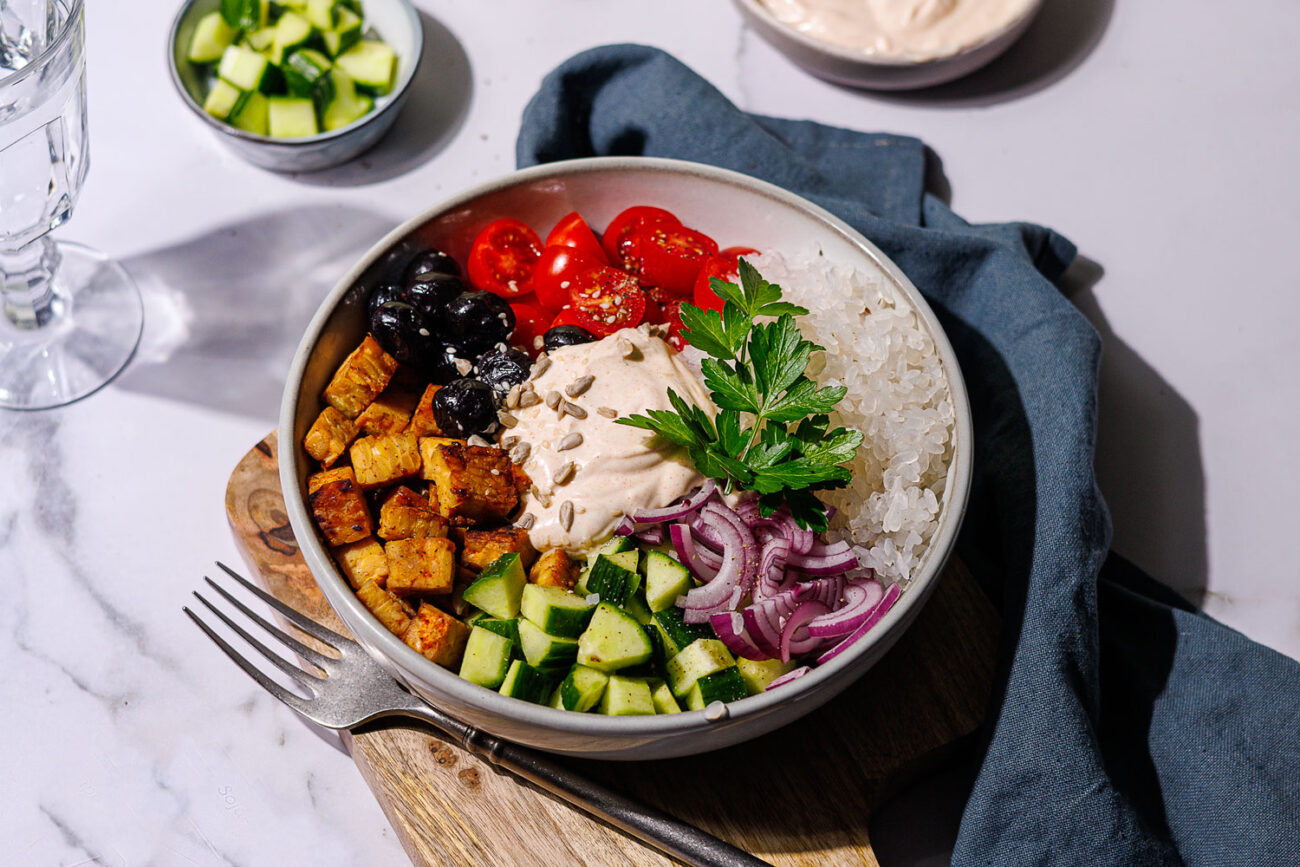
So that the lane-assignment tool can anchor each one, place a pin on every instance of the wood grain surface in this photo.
(802, 795)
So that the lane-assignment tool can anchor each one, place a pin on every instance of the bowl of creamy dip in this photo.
(620, 468)
(890, 44)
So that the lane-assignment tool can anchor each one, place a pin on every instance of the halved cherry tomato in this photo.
(503, 258)
(670, 256)
(615, 239)
(556, 271)
(605, 299)
(673, 318)
(530, 323)
(566, 316)
(656, 300)
(723, 266)
(573, 231)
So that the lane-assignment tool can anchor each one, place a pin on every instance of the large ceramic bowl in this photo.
(395, 21)
(731, 207)
(843, 66)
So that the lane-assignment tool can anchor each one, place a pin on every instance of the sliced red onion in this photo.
(707, 534)
(730, 627)
(829, 549)
(652, 535)
(795, 640)
(836, 564)
(801, 538)
(735, 577)
(626, 527)
(793, 674)
(676, 512)
(764, 620)
(701, 563)
(891, 596)
(860, 601)
(772, 576)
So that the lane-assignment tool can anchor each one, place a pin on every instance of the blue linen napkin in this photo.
(1128, 727)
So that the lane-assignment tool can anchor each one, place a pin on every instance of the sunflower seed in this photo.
(574, 410)
(476, 440)
(508, 442)
(626, 348)
(520, 453)
(528, 398)
(512, 397)
(579, 385)
(553, 399)
(506, 419)
(566, 515)
(526, 521)
(566, 473)
(572, 441)
(607, 412)
(540, 366)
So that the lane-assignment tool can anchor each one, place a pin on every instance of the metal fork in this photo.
(356, 690)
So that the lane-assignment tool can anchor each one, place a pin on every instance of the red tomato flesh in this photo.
(673, 318)
(616, 239)
(572, 231)
(670, 256)
(503, 258)
(565, 317)
(530, 324)
(606, 299)
(723, 266)
(556, 272)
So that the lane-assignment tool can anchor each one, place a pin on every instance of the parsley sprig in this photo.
(772, 432)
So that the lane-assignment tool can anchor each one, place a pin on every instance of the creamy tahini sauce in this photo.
(619, 469)
(905, 29)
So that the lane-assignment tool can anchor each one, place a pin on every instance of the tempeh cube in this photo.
(363, 561)
(339, 506)
(405, 514)
(472, 484)
(555, 568)
(420, 565)
(437, 635)
(390, 412)
(328, 437)
(422, 423)
(360, 378)
(388, 609)
(481, 547)
(382, 460)
(521, 480)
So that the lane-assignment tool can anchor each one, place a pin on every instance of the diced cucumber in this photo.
(346, 32)
(725, 685)
(223, 99)
(307, 74)
(638, 609)
(543, 651)
(613, 640)
(582, 688)
(260, 40)
(475, 617)
(658, 656)
(663, 699)
(614, 577)
(321, 13)
(758, 673)
(616, 545)
(556, 701)
(500, 586)
(371, 64)
(486, 659)
(524, 681)
(294, 117)
(243, 67)
(252, 114)
(626, 696)
(508, 628)
(291, 31)
(676, 632)
(700, 658)
(580, 586)
(245, 14)
(665, 580)
(212, 36)
(347, 105)
(556, 610)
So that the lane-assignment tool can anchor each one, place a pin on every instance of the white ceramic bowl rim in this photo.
(392, 98)
(821, 46)
(340, 594)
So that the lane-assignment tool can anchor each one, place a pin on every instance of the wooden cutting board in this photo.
(802, 795)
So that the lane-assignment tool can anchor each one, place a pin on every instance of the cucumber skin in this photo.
(700, 658)
(677, 633)
(567, 648)
(508, 628)
(564, 620)
(526, 683)
(482, 648)
(582, 697)
(725, 685)
(506, 570)
(611, 581)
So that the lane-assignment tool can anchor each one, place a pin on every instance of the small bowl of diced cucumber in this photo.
(296, 85)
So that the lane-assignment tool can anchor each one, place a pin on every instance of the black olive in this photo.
(382, 294)
(432, 295)
(394, 264)
(504, 369)
(465, 407)
(431, 262)
(565, 335)
(478, 320)
(404, 334)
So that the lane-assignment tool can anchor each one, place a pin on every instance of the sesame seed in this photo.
(566, 515)
(607, 412)
(566, 472)
(463, 367)
(573, 409)
(494, 471)
(579, 385)
(572, 441)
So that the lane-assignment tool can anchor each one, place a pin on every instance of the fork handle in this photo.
(671, 836)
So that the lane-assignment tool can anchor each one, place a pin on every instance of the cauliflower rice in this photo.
(898, 396)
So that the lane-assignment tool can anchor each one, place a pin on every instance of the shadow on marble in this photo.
(1056, 43)
(434, 112)
(224, 311)
(1148, 460)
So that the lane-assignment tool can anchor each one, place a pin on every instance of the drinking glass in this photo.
(72, 318)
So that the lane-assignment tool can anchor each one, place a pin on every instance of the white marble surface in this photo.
(1162, 144)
